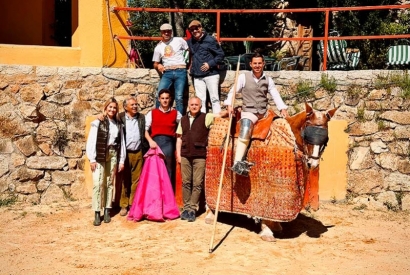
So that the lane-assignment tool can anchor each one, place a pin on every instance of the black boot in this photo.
(107, 217)
(97, 220)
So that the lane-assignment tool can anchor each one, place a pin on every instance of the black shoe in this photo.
(107, 217)
(97, 220)
(242, 168)
(191, 216)
(185, 215)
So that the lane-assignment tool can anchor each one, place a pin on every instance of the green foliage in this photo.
(8, 201)
(396, 79)
(382, 125)
(329, 84)
(354, 91)
(304, 89)
(360, 207)
(361, 115)
(296, 108)
(347, 23)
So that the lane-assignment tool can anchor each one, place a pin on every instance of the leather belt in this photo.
(133, 151)
(167, 68)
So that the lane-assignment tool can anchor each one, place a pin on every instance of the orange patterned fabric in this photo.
(274, 189)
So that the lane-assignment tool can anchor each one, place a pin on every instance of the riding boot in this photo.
(107, 217)
(242, 168)
(97, 220)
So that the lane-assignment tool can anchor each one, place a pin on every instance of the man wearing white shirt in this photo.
(169, 61)
(133, 124)
(254, 86)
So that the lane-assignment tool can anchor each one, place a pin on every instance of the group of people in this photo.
(117, 141)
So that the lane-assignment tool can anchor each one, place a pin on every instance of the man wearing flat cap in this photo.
(206, 53)
(169, 61)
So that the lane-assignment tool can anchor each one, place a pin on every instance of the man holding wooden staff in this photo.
(254, 86)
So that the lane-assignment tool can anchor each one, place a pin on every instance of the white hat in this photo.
(165, 27)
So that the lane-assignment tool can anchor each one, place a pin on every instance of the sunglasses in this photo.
(194, 28)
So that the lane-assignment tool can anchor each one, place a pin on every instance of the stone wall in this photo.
(43, 112)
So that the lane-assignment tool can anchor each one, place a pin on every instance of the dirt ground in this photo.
(60, 239)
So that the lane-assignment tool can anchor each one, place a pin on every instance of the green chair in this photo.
(398, 55)
(339, 57)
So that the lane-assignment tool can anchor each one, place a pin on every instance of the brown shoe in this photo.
(123, 211)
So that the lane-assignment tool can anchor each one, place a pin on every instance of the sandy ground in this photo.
(60, 239)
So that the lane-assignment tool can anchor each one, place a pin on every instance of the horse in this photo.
(286, 154)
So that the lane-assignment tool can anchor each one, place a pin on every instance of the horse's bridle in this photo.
(314, 135)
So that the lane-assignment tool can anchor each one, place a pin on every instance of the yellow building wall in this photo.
(333, 166)
(93, 45)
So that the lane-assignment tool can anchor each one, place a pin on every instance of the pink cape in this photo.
(154, 198)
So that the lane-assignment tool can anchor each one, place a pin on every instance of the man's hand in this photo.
(152, 144)
(231, 111)
(284, 113)
(178, 158)
(121, 167)
(100, 117)
(205, 67)
(224, 113)
(93, 165)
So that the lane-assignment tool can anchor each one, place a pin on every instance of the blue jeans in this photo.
(178, 77)
(167, 145)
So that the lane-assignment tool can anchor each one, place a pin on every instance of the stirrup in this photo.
(242, 168)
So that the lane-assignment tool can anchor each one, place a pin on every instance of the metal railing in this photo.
(325, 38)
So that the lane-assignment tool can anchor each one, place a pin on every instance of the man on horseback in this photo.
(254, 86)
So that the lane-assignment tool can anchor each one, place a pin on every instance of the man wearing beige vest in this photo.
(254, 86)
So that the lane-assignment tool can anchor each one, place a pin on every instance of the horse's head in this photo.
(311, 132)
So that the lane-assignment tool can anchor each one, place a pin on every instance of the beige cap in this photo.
(194, 23)
(165, 27)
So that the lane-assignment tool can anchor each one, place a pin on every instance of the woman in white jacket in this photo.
(105, 150)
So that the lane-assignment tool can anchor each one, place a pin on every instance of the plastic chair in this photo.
(399, 55)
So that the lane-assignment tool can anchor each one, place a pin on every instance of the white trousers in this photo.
(211, 83)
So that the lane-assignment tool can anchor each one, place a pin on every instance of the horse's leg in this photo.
(210, 217)
(267, 227)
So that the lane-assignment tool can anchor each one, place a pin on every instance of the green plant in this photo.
(381, 82)
(304, 89)
(296, 107)
(360, 207)
(329, 84)
(8, 201)
(68, 195)
(354, 91)
(382, 125)
(361, 114)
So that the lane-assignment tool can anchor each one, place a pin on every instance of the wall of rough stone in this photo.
(43, 112)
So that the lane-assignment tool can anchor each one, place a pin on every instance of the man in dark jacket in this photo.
(206, 53)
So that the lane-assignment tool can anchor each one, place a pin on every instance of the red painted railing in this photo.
(241, 39)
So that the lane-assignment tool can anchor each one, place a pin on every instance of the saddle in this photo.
(261, 127)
